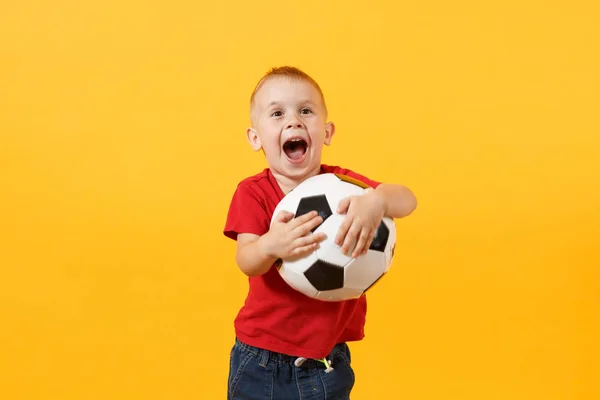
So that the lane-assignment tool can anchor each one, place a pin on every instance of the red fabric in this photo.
(274, 316)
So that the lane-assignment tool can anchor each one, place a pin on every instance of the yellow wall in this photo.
(122, 139)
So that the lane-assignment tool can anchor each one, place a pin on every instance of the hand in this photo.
(290, 237)
(364, 214)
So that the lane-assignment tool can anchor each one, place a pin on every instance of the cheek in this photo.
(317, 133)
(272, 143)
(315, 125)
(271, 136)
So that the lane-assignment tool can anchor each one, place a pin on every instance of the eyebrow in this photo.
(276, 103)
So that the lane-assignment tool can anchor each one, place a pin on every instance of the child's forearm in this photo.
(252, 259)
(399, 200)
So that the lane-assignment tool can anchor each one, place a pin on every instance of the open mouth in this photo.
(295, 149)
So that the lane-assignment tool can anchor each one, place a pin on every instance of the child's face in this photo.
(290, 126)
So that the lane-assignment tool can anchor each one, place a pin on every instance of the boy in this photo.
(289, 346)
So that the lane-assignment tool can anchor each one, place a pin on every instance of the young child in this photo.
(290, 346)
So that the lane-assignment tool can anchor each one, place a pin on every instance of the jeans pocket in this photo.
(238, 361)
(339, 382)
(345, 357)
(232, 366)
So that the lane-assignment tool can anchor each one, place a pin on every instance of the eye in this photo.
(306, 111)
(276, 114)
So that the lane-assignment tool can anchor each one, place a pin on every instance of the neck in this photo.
(287, 183)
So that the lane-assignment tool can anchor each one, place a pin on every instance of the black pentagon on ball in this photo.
(325, 276)
(381, 237)
(317, 203)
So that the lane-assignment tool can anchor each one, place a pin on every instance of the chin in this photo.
(302, 171)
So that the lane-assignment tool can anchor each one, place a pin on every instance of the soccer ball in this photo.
(327, 274)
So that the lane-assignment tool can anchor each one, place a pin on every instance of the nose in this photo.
(294, 124)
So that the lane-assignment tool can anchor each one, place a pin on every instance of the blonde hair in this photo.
(288, 72)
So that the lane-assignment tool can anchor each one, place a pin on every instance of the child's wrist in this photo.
(382, 199)
(264, 247)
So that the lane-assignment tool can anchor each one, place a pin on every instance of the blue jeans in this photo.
(257, 374)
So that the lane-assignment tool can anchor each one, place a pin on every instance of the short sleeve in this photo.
(351, 174)
(247, 213)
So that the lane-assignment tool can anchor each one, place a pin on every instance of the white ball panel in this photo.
(328, 250)
(288, 203)
(341, 191)
(298, 281)
(364, 270)
(318, 184)
(340, 294)
(299, 264)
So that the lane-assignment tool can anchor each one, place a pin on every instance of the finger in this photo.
(343, 230)
(369, 241)
(350, 239)
(319, 236)
(362, 241)
(308, 226)
(305, 250)
(309, 239)
(343, 205)
(284, 216)
(303, 219)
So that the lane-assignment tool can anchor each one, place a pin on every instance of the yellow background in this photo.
(122, 140)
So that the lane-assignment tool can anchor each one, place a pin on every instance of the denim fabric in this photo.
(257, 374)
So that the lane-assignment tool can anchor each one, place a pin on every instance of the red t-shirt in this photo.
(275, 316)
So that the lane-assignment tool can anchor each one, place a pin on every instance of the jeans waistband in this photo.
(283, 358)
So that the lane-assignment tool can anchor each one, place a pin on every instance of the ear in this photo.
(253, 139)
(329, 132)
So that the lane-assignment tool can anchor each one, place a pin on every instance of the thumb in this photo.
(284, 216)
(343, 205)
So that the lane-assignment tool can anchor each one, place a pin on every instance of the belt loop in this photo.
(264, 358)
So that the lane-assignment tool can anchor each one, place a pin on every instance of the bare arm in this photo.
(250, 256)
(399, 201)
